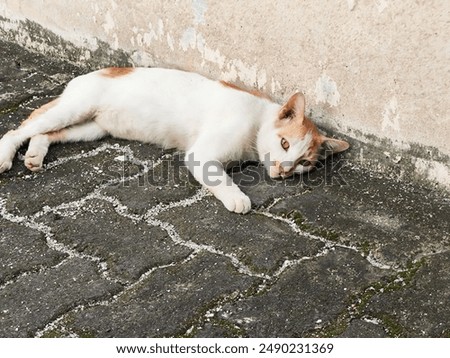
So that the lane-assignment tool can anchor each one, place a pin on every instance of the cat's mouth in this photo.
(275, 172)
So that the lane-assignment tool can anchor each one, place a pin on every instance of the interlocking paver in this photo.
(421, 308)
(32, 301)
(167, 182)
(309, 296)
(166, 303)
(258, 241)
(130, 248)
(23, 250)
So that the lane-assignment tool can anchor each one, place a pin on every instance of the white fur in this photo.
(211, 122)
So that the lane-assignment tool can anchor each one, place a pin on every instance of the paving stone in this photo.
(258, 241)
(168, 182)
(308, 296)
(213, 330)
(363, 329)
(36, 299)
(130, 248)
(421, 308)
(166, 303)
(23, 250)
(376, 214)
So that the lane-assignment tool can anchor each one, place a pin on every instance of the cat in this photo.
(213, 122)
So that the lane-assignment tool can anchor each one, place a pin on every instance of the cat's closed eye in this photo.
(284, 144)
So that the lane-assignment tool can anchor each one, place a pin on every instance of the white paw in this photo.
(7, 153)
(5, 165)
(237, 202)
(34, 160)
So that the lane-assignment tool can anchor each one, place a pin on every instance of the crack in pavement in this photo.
(328, 243)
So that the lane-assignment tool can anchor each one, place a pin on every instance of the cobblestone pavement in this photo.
(115, 239)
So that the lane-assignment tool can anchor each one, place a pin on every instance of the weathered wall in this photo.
(373, 69)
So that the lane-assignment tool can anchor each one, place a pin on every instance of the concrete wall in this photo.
(377, 70)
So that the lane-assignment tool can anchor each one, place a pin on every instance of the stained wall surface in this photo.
(376, 70)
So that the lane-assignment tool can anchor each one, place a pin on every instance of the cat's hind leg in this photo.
(53, 116)
(39, 144)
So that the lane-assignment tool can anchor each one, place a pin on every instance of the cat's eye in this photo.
(284, 144)
(305, 163)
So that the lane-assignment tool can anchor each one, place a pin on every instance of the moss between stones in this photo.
(54, 333)
(393, 328)
(365, 247)
(13, 107)
(446, 334)
(59, 333)
(85, 334)
(356, 308)
(65, 327)
(231, 330)
(302, 223)
(199, 320)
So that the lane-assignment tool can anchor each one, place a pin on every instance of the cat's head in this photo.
(291, 143)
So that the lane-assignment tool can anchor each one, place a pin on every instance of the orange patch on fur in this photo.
(253, 92)
(39, 111)
(113, 72)
(56, 136)
(299, 128)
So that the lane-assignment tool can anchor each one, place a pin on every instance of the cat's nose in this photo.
(279, 168)
(285, 171)
(276, 170)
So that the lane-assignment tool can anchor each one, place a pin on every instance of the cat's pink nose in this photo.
(286, 172)
(276, 170)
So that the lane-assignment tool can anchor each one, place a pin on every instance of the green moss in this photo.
(304, 225)
(331, 235)
(412, 268)
(230, 329)
(54, 333)
(13, 107)
(446, 333)
(199, 320)
(393, 328)
(357, 305)
(365, 247)
(57, 333)
(334, 329)
(86, 334)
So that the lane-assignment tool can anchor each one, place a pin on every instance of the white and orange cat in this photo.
(212, 121)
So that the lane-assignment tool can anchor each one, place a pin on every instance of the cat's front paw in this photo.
(34, 160)
(237, 203)
(5, 165)
(6, 154)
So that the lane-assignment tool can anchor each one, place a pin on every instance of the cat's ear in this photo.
(293, 108)
(331, 146)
